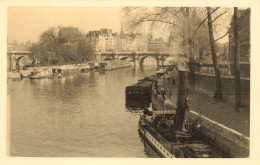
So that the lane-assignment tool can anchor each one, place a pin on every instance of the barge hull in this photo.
(157, 146)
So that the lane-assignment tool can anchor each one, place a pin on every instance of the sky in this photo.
(28, 23)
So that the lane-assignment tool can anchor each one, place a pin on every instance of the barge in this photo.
(138, 96)
(170, 143)
(170, 132)
(41, 73)
(142, 87)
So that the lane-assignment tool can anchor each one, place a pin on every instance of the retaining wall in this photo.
(233, 142)
(206, 84)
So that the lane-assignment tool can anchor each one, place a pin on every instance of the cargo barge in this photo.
(169, 143)
(138, 96)
(169, 132)
(142, 87)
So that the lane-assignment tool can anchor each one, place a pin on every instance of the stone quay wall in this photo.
(232, 142)
(206, 84)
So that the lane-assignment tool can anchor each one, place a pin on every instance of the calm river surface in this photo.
(81, 114)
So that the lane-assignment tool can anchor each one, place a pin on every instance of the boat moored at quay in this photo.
(142, 87)
(193, 132)
(138, 95)
(169, 132)
(41, 73)
(169, 143)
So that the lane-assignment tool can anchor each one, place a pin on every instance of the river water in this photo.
(79, 115)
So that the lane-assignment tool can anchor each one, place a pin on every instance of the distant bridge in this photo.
(14, 59)
(136, 57)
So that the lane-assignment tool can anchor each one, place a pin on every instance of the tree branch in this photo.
(219, 16)
(221, 36)
(127, 10)
(204, 20)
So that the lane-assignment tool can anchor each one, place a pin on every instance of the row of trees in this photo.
(195, 26)
(62, 45)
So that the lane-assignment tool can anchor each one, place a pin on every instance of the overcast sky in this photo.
(27, 23)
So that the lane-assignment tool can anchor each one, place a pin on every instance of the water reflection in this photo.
(76, 115)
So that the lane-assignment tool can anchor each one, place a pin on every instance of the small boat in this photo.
(59, 75)
(41, 73)
(26, 73)
(96, 67)
(85, 70)
(14, 75)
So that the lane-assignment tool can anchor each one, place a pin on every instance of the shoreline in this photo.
(108, 66)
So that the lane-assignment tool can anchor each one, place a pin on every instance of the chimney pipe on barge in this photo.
(182, 92)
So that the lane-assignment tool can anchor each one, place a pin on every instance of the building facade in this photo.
(133, 42)
(105, 40)
(15, 46)
(156, 45)
(244, 36)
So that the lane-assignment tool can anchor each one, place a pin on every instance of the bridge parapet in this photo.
(137, 57)
(139, 53)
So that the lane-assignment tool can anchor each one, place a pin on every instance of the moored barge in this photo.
(169, 132)
(169, 143)
(142, 87)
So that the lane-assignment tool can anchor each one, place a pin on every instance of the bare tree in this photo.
(186, 20)
(218, 93)
(236, 62)
(166, 17)
(182, 19)
(212, 41)
(172, 18)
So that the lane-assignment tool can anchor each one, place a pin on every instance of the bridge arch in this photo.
(108, 58)
(17, 62)
(18, 58)
(169, 60)
(23, 60)
(123, 57)
(142, 58)
(136, 57)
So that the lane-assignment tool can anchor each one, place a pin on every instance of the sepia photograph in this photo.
(128, 81)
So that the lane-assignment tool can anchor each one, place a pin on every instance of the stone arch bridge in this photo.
(17, 59)
(136, 57)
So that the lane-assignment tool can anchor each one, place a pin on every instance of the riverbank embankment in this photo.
(106, 65)
(101, 65)
(220, 122)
